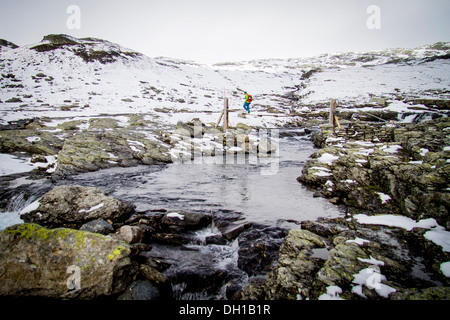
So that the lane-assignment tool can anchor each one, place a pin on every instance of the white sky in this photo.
(232, 30)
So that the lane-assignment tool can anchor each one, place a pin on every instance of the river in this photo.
(262, 191)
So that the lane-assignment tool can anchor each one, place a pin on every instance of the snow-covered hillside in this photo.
(64, 77)
(88, 77)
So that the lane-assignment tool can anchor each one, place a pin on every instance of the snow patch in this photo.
(333, 293)
(391, 149)
(445, 268)
(31, 207)
(372, 279)
(436, 234)
(96, 207)
(384, 197)
(372, 261)
(327, 158)
(440, 237)
(175, 215)
(10, 164)
(359, 241)
(33, 139)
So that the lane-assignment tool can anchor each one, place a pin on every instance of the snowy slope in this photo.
(58, 79)
(65, 77)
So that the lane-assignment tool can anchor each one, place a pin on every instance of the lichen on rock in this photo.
(36, 261)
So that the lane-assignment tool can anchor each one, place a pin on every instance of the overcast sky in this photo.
(233, 30)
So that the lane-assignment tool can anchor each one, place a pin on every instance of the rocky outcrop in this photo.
(62, 263)
(91, 151)
(400, 168)
(8, 44)
(84, 48)
(345, 259)
(29, 141)
(73, 206)
(379, 168)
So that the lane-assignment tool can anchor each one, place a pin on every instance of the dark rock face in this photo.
(83, 49)
(258, 249)
(5, 43)
(97, 226)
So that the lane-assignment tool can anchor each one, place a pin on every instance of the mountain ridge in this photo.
(54, 41)
(63, 76)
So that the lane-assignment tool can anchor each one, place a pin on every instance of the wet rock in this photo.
(266, 146)
(258, 249)
(141, 290)
(231, 230)
(97, 226)
(151, 274)
(182, 221)
(130, 234)
(172, 239)
(73, 206)
(92, 151)
(62, 263)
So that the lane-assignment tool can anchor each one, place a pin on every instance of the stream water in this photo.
(264, 192)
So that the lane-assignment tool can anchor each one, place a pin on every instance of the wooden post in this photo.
(332, 119)
(332, 109)
(225, 115)
(220, 118)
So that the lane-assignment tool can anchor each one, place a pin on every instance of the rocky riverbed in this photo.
(394, 241)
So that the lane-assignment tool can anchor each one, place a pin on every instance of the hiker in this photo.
(248, 100)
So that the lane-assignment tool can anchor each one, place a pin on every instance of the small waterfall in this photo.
(15, 200)
(18, 202)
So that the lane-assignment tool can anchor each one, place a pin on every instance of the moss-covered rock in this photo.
(400, 168)
(29, 141)
(62, 263)
(91, 151)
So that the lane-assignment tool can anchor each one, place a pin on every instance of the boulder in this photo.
(180, 221)
(73, 206)
(140, 290)
(243, 126)
(62, 263)
(295, 273)
(266, 146)
(258, 249)
(231, 230)
(97, 226)
(131, 234)
(91, 151)
(30, 141)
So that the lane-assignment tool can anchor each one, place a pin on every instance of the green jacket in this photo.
(246, 97)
